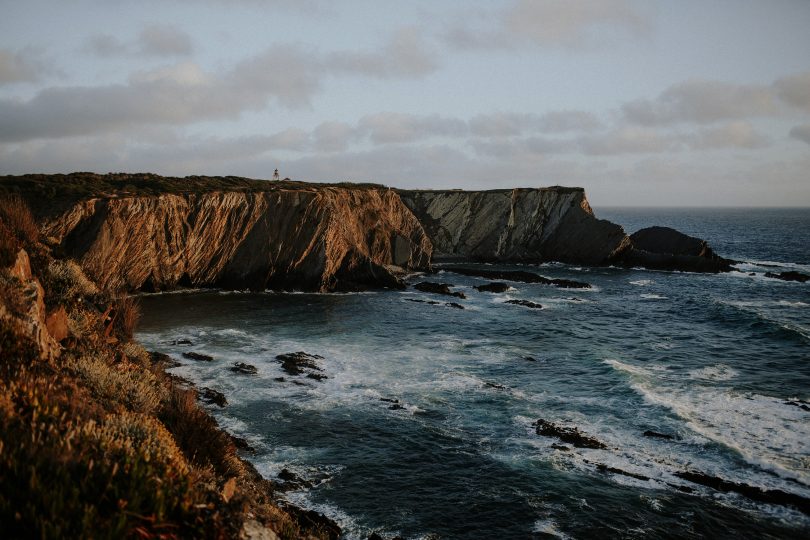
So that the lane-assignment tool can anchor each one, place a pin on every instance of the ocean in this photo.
(425, 424)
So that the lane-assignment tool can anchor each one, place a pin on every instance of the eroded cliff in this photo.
(522, 225)
(322, 239)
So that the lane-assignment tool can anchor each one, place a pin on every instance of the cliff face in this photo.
(530, 225)
(323, 239)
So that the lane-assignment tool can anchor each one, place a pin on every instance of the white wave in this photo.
(549, 527)
(653, 297)
(717, 372)
(764, 430)
(642, 282)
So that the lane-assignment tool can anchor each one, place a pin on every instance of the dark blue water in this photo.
(713, 360)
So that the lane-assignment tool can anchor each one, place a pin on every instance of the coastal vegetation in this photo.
(96, 439)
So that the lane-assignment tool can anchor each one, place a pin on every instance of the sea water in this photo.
(719, 362)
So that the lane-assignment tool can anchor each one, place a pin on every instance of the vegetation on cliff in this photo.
(96, 440)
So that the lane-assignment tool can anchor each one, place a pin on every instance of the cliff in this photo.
(307, 238)
(523, 225)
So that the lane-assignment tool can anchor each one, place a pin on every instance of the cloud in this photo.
(389, 127)
(26, 65)
(164, 40)
(406, 55)
(795, 90)
(156, 40)
(333, 136)
(702, 102)
(801, 133)
(569, 24)
(504, 124)
(732, 135)
(183, 93)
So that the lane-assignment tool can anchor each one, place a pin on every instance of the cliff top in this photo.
(558, 189)
(51, 194)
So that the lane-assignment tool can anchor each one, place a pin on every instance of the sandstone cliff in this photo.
(322, 239)
(522, 225)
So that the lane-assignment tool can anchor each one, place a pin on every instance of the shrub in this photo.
(66, 282)
(136, 388)
(128, 313)
(18, 217)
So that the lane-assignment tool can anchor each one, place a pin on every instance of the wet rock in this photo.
(164, 360)
(530, 358)
(312, 520)
(518, 275)
(431, 302)
(389, 400)
(396, 407)
(316, 376)
(525, 303)
(770, 496)
(197, 356)
(570, 435)
(803, 405)
(454, 305)
(438, 288)
(182, 341)
(496, 386)
(242, 444)
(180, 381)
(292, 481)
(560, 447)
(212, 397)
(241, 367)
(279, 379)
(601, 467)
(494, 287)
(655, 434)
(788, 276)
(295, 363)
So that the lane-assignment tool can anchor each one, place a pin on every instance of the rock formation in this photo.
(516, 225)
(662, 248)
(322, 239)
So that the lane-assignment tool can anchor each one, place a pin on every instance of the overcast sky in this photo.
(696, 103)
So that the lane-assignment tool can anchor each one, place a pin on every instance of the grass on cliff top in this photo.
(50, 194)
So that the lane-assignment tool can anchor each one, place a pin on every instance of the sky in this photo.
(642, 103)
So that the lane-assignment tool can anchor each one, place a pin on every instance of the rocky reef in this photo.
(662, 248)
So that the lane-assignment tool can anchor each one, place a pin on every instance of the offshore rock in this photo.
(494, 287)
(308, 238)
(788, 276)
(662, 248)
(518, 275)
(570, 435)
(516, 225)
(525, 303)
(438, 288)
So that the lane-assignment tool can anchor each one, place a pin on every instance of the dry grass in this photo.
(66, 283)
(135, 388)
(127, 315)
(16, 214)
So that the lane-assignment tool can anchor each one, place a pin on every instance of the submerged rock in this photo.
(212, 397)
(770, 496)
(242, 444)
(518, 275)
(525, 303)
(438, 288)
(788, 276)
(655, 434)
(570, 435)
(241, 367)
(454, 305)
(494, 287)
(198, 356)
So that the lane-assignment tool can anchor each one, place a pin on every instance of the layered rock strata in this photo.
(516, 225)
(321, 239)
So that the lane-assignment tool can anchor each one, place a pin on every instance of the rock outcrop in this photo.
(322, 239)
(516, 225)
(662, 248)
